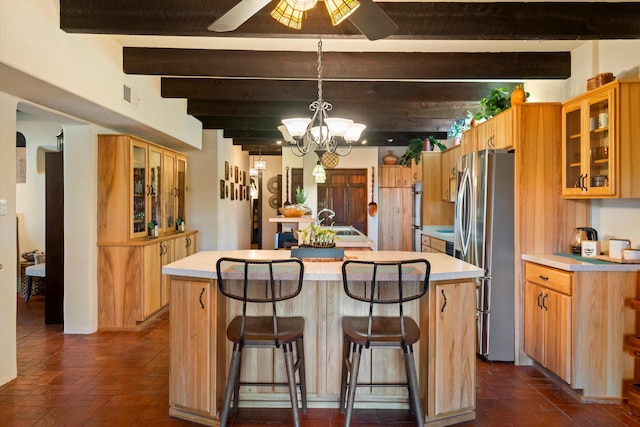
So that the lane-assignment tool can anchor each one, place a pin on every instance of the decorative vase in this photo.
(518, 96)
(390, 158)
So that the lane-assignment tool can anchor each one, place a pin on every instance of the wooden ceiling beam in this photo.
(358, 112)
(377, 124)
(307, 90)
(375, 138)
(347, 65)
(415, 20)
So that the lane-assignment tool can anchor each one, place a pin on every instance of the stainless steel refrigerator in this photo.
(484, 237)
(416, 217)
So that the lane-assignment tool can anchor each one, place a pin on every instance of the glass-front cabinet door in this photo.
(588, 154)
(139, 189)
(169, 191)
(155, 185)
(181, 187)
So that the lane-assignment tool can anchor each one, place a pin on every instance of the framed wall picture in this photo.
(244, 178)
(226, 191)
(241, 194)
(226, 170)
(236, 174)
(222, 188)
(233, 193)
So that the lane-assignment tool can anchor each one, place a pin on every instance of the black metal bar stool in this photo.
(263, 282)
(381, 283)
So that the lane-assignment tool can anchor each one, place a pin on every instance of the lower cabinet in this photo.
(547, 334)
(131, 286)
(576, 324)
(451, 363)
(432, 244)
(197, 351)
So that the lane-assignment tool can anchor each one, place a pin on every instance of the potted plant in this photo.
(456, 129)
(151, 226)
(179, 224)
(498, 101)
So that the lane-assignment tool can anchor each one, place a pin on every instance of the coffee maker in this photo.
(581, 234)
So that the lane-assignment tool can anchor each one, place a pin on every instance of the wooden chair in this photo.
(381, 283)
(263, 282)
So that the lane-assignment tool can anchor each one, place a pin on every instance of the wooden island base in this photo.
(445, 354)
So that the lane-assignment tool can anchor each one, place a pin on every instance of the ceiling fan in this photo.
(368, 18)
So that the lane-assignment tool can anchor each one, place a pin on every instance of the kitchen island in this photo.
(445, 354)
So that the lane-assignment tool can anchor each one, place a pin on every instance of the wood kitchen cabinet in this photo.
(576, 325)
(197, 322)
(138, 182)
(432, 244)
(435, 211)
(451, 348)
(131, 286)
(395, 201)
(547, 310)
(600, 153)
(448, 171)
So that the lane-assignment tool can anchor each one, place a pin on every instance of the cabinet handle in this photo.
(188, 242)
(543, 300)
(453, 172)
(446, 194)
(445, 301)
(545, 278)
(177, 192)
(200, 298)
(539, 303)
(584, 178)
(490, 142)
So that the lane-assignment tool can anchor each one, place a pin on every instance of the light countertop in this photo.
(203, 264)
(570, 264)
(437, 232)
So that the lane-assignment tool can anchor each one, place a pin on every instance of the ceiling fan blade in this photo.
(371, 21)
(237, 15)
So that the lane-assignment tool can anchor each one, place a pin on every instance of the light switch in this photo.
(3, 206)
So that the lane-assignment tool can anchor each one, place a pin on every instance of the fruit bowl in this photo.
(293, 210)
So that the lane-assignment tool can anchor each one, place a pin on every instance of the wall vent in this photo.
(130, 96)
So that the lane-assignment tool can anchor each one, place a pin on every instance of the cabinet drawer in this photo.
(426, 240)
(439, 245)
(551, 278)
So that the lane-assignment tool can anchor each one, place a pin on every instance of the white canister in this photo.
(590, 248)
(603, 120)
(631, 254)
(616, 246)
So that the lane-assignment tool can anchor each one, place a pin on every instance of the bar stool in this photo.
(381, 283)
(263, 282)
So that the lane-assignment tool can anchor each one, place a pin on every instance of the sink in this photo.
(345, 230)
(444, 231)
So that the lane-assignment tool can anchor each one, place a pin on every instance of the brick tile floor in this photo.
(121, 379)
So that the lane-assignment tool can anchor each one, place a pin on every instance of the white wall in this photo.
(610, 217)
(40, 136)
(221, 224)
(87, 66)
(8, 252)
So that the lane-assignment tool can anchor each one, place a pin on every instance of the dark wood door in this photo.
(54, 238)
(345, 193)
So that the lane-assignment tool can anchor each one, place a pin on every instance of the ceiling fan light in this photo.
(338, 126)
(296, 126)
(302, 5)
(339, 10)
(354, 132)
(287, 16)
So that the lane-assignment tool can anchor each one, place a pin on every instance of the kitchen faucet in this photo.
(331, 215)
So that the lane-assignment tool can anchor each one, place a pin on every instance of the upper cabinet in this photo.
(138, 182)
(600, 151)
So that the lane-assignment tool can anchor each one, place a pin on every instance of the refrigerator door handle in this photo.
(463, 215)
